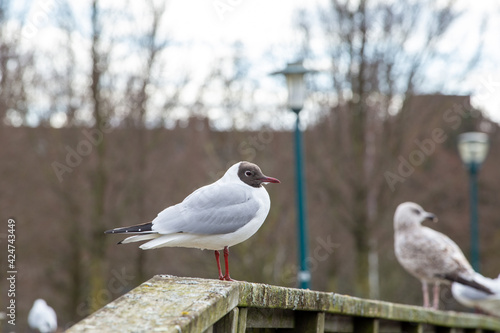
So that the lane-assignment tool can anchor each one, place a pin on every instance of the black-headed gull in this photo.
(42, 317)
(477, 299)
(214, 217)
(430, 256)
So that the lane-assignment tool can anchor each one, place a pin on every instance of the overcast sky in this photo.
(260, 24)
(203, 30)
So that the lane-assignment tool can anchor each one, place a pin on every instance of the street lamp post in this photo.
(473, 147)
(294, 74)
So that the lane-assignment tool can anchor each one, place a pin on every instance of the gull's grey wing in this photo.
(219, 208)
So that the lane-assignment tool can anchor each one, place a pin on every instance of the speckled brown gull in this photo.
(430, 256)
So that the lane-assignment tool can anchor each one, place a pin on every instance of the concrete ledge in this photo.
(174, 304)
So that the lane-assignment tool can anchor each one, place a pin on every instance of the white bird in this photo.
(42, 317)
(477, 299)
(214, 217)
(430, 256)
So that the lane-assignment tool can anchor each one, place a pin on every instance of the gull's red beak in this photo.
(269, 180)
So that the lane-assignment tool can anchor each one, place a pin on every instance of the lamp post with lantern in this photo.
(294, 74)
(473, 148)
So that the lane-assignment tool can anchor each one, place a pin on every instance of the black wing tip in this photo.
(138, 228)
(470, 283)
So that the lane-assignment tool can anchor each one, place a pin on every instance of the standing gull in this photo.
(213, 217)
(430, 256)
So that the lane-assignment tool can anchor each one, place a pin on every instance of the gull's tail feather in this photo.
(160, 241)
(135, 229)
(473, 298)
(138, 238)
(471, 283)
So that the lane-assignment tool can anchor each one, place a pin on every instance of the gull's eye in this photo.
(415, 211)
(248, 173)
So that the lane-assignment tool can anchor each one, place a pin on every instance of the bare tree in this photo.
(14, 64)
(138, 100)
(101, 117)
(229, 91)
(371, 46)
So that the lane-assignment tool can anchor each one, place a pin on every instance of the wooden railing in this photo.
(172, 304)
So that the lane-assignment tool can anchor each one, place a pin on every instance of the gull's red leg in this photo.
(217, 254)
(226, 262)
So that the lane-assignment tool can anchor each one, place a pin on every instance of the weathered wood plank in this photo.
(242, 320)
(194, 305)
(228, 323)
(191, 305)
(338, 323)
(309, 322)
(266, 296)
(269, 318)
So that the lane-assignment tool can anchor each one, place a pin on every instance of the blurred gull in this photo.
(42, 317)
(429, 255)
(477, 299)
(213, 217)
